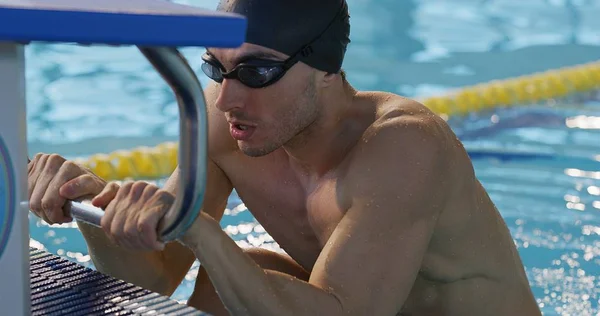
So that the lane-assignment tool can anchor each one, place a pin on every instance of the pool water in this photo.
(540, 163)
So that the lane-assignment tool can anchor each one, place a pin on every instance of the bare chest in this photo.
(300, 219)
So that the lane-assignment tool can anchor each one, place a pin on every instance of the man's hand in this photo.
(52, 180)
(133, 212)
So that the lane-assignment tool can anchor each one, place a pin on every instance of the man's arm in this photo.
(159, 271)
(398, 189)
(163, 271)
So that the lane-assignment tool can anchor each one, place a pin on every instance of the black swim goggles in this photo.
(256, 73)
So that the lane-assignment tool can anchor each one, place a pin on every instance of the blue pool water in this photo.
(540, 163)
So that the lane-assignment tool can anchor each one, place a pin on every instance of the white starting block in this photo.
(157, 28)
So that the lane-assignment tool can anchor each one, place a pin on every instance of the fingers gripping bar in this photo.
(192, 146)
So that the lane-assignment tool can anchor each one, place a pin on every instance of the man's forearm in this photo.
(244, 287)
(145, 269)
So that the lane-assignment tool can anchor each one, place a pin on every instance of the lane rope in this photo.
(160, 161)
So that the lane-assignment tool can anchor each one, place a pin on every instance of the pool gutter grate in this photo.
(62, 287)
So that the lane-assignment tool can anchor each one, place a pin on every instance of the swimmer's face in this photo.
(264, 119)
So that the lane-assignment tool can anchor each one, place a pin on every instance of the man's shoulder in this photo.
(405, 131)
(402, 155)
(401, 121)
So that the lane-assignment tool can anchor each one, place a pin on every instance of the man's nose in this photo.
(232, 95)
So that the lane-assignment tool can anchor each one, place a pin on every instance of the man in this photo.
(372, 195)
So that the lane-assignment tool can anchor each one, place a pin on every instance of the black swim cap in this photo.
(287, 26)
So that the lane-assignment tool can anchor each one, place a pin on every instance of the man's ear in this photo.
(329, 78)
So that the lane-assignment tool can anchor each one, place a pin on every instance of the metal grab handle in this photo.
(192, 146)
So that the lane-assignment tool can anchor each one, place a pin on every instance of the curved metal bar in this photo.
(192, 145)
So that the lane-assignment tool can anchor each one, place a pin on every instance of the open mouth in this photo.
(242, 131)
